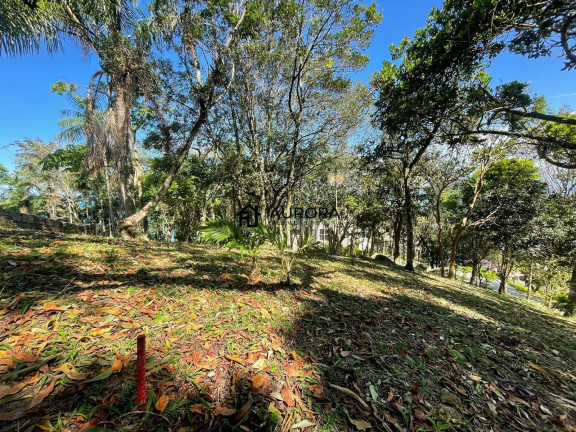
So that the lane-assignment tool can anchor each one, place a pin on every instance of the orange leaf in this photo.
(116, 365)
(17, 387)
(235, 359)
(316, 390)
(287, 396)
(41, 395)
(88, 425)
(292, 371)
(259, 380)
(162, 402)
(52, 306)
(25, 357)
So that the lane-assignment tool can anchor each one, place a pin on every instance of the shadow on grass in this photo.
(418, 351)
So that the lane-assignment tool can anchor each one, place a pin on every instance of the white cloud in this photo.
(566, 95)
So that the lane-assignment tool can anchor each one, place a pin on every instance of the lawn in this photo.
(352, 344)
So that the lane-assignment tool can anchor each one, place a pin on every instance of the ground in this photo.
(352, 344)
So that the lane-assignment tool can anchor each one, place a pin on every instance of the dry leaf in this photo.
(287, 396)
(162, 402)
(361, 424)
(235, 359)
(259, 380)
(25, 357)
(316, 390)
(242, 412)
(223, 411)
(41, 395)
(108, 311)
(17, 387)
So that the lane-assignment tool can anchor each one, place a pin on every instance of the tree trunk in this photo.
(128, 226)
(505, 268)
(572, 293)
(409, 221)
(464, 223)
(397, 232)
(440, 230)
(530, 281)
(123, 145)
(111, 222)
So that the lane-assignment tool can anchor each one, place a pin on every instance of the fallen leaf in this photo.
(242, 412)
(41, 395)
(421, 415)
(223, 411)
(302, 424)
(162, 402)
(265, 313)
(277, 396)
(316, 390)
(235, 359)
(116, 366)
(361, 424)
(287, 396)
(17, 387)
(25, 357)
(259, 381)
(108, 311)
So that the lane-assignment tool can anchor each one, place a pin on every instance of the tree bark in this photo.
(409, 221)
(530, 281)
(397, 232)
(572, 293)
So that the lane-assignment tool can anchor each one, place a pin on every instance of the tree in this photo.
(485, 158)
(551, 275)
(512, 202)
(182, 110)
(443, 169)
(463, 37)
(122, 42)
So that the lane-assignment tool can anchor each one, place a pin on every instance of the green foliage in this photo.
(229, 234)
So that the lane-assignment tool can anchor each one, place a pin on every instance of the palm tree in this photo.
(113, 30)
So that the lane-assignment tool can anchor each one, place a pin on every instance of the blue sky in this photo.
(29, 110)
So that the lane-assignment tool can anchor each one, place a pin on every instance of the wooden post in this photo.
(141, 369)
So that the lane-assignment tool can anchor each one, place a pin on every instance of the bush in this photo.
(519, 286)
(490, 275)
(383, 259)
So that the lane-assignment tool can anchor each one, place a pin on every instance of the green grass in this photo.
(420, 352)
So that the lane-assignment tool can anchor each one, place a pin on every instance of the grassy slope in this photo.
(420, 353)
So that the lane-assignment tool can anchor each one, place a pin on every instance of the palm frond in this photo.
(27, 26)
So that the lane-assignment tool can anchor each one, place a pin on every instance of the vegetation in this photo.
(352, 342)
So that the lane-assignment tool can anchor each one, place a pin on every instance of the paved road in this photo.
(495, 284)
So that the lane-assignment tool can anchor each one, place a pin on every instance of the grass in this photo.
(352, 345)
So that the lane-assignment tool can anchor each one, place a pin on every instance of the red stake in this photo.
(141, 370)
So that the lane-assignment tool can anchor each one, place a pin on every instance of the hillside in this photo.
(352, 345)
